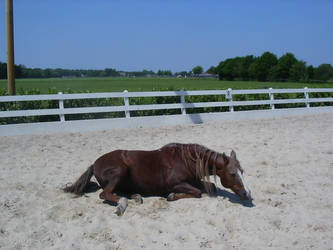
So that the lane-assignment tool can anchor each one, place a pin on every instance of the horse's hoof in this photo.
(122, 205)
(102, 195)
(171, 197)
(138, 198)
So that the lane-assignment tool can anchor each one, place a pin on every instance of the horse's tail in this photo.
(79, 186)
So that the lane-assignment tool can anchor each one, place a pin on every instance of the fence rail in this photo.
(127, 108)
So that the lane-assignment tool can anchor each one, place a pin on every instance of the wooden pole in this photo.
(10, 48)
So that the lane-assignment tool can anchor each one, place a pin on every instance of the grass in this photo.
(147, 84)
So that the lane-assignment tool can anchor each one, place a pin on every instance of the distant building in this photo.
(123, 74)
(206, 75)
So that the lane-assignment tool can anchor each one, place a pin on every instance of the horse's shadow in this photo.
(91, 187)
(234, 198)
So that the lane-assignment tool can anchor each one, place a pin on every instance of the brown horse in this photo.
(174, 171)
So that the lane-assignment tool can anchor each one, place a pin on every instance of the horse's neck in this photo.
(213, 159)
(220, 162)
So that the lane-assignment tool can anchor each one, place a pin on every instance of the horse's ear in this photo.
(233, 154)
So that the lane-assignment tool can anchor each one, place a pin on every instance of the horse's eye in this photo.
(233, 175)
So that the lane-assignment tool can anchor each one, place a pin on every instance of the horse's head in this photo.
(232, 177)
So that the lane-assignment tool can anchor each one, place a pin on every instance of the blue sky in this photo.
(165, 34)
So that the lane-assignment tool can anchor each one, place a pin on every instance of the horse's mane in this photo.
(200, 156)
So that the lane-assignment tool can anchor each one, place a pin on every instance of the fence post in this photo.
(61, 107)
(229, 97)
(126, 102)
(306, 95)
(271, 97)
(182, 101)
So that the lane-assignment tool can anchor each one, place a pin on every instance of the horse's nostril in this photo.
(245, 195)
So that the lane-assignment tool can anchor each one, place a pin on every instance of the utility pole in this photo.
(10, 47)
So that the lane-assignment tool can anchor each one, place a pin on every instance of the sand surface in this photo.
(288, 166)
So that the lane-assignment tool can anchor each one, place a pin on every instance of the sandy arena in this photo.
(288, 165)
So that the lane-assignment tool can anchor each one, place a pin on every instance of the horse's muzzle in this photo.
(244, 195)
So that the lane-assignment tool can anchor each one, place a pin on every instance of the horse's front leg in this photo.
(207, 187)
(184, 190)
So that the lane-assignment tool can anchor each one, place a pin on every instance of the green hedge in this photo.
(53, 104)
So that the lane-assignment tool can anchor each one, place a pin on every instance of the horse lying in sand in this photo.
(175, 171)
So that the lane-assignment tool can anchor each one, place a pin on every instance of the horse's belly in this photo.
(146, 172)
(149, 187)
(143, 186)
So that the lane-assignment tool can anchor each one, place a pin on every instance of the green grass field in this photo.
(147, 84)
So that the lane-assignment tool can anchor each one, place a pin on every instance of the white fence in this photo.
(182, 105)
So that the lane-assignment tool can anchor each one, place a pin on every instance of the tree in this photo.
(273, 73)
(36, 73)
(148, 72)
(212, 70)
(298, 71)
(3, 70)
(226, 69)
(164, 73)
(48, 73)
(18, 69)
(252, 70)
(310, 72)
(262, 66)
(245, 65)
(197, 70)
(324, 72)
(111, 72)
(235, 68)
(284, 65)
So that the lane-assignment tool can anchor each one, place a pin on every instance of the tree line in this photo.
(23, 72)
(268, 67)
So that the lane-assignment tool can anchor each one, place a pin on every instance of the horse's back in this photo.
(143, 171)
(111, 159)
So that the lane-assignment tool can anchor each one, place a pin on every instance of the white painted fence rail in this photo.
(182, 105)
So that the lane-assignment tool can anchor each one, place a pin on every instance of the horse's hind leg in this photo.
(113, 177)
(121, 202)
(184, 190)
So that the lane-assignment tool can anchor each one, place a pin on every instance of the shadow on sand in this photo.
(234, 198)
(92, 187)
